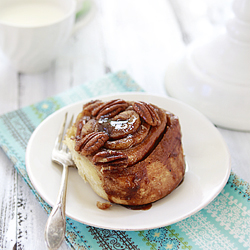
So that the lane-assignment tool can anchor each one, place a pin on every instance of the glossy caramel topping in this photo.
(128, 130)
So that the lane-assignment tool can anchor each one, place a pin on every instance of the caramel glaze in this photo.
(139, 207)
(155, 176)
(140, 151)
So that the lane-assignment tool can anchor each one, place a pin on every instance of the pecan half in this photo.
(88, 127)
(91, 143)
(92, 105)
(110, 109)
(130, 140)
(147, 112)
(125, 123)
(80, 122)
(111, 160)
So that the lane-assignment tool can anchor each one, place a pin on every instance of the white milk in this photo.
(31, 13)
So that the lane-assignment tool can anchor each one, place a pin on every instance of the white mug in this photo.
(32, 32)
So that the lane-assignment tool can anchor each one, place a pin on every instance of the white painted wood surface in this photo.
(141, 37)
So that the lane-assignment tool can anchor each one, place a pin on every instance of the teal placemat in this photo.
(223, 224)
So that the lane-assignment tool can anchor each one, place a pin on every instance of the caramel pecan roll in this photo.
(129, 151)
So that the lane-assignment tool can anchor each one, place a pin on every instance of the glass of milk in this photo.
(32, 32)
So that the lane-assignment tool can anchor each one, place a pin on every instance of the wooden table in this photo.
(141, 37)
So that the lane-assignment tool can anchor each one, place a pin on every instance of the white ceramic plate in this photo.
(208, 169)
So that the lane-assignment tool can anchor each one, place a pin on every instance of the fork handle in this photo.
(56, 224)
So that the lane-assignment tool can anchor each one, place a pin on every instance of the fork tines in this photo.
(58, 143)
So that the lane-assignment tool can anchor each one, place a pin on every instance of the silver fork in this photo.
(56, 224)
